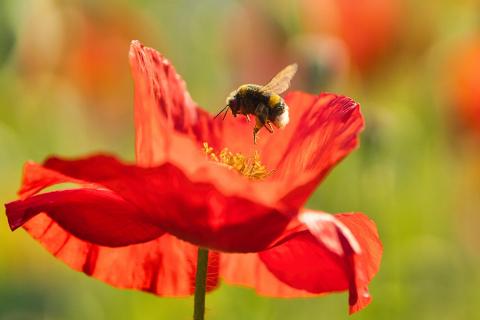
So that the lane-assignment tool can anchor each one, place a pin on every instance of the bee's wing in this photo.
(281, 81)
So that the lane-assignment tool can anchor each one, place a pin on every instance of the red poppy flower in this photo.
(138, 226)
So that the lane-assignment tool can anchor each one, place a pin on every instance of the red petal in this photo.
(322, 131)
(247, 269)
(164, 266)
(162, 105)
(98, 216)
(37, 177)
(367, 262)
(334, 253)
(165, 198)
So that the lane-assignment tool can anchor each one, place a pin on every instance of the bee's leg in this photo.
(255, 132)
(269, 127)
(258, 126)
(261, 114)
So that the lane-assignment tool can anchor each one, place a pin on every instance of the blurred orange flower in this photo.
(95, 61)
(463, 77)
(368, 27)
(255, 43)
(261, 45)
(81, 46)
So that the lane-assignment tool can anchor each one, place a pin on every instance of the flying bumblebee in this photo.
(263, 102)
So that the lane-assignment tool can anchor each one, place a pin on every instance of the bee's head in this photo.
(280, 116)
(232, 101)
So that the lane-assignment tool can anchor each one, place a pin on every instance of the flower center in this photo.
(248, 166)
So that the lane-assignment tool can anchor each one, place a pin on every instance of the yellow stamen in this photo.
(248, 166)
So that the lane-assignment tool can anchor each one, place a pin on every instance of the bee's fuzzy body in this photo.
(263, 102)
(266, 106)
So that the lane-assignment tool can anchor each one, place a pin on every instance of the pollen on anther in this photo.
(248, 166)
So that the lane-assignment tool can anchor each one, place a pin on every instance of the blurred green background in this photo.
(65, 88)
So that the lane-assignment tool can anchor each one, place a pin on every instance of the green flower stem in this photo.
(200, 284)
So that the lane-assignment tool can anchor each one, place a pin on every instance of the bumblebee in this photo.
(263, 102)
